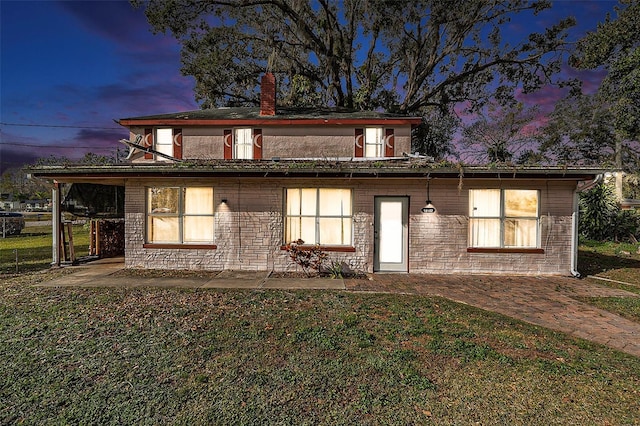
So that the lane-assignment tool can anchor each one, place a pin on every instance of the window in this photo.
(373, 142)
(243, 144)
(319, 216)
(180, 215)
(164, 142)
(503, 218)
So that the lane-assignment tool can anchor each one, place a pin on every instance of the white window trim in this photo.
(317, 217)
(246, 144)
(503, 218)
(378, 144)
(157, 146)
(180, 214)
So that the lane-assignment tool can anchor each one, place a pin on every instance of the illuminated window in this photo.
(243, 143)
(503, 218)
(180, 215)
(373, 142)
(319, 216)
(164, 142)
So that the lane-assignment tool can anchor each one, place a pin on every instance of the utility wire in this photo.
(61, 126)
(56, 147)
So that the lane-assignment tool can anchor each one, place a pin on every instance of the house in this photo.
(228, 188)
(8, 203)
(35, 205)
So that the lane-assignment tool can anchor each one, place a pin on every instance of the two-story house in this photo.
(227, 188)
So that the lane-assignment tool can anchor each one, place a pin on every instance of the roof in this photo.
(325, 168)
(289, 116)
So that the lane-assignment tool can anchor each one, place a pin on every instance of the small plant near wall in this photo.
(309, 258)
(335, 270)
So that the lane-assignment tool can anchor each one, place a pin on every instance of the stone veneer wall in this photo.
(249, 228)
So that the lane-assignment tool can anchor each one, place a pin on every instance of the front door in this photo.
(391, 224)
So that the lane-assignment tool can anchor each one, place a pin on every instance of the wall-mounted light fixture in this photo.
(223, 201)
(428, 207)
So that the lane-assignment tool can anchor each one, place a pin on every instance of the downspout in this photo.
(580, 187)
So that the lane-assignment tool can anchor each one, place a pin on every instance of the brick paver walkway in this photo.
(546, 301)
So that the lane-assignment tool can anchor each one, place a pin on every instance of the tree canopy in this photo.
(401, 56)
(499, 134)
(615, 45)
(579, 131)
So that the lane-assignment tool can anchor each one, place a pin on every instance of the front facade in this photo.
(229, 188)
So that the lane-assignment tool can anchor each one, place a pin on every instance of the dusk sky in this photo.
(69, 68)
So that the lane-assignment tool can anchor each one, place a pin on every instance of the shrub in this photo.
(307, 257)
(601, 218)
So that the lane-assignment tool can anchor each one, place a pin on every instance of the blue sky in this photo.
(69, 68)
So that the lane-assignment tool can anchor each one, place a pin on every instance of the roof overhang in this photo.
(265, 122)
(117, 173)
(250, 116)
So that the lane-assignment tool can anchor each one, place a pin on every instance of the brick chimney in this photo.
(268, 94)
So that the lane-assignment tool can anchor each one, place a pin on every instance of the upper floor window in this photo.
(503, 218)
(319, 216)
(163, 140)
(180, 215)
(243, 143)
(374, 142)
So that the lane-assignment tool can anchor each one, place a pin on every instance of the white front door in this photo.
(391, 224)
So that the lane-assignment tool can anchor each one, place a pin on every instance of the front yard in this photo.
(155, 356)
(150, 356)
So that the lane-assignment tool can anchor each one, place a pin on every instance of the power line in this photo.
(61, 126)
(57, 147)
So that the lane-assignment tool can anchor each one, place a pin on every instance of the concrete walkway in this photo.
(549, 302)
(107, 273)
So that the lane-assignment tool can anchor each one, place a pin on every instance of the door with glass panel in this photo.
(391, 226)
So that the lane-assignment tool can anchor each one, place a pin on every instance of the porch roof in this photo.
(306, 168)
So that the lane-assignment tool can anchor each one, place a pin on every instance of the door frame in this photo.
(379, 266)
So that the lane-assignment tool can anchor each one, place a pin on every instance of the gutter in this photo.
(574, 221)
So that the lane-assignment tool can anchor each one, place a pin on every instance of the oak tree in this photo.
(615, 46)
(499, 134)
(401, 56)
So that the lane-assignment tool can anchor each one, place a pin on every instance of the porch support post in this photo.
(56, 223)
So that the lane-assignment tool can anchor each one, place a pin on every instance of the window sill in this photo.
(339, 249)
(505, 250)
(180, 246)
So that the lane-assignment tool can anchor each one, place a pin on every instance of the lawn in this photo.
(157, 356)
(619, 264)
(150, 356)
(33, 248)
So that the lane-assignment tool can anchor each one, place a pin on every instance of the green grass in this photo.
(614, 261)
(150, 356)
(617, 261)
(33, 247)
